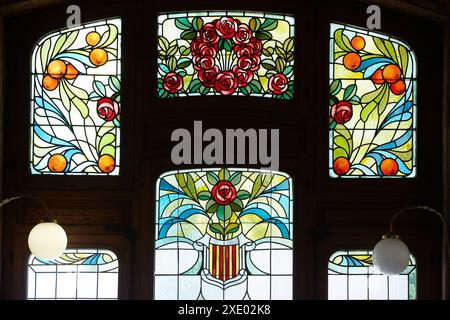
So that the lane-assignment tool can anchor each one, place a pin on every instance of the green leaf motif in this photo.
(216, 228)
(403, 52)
(236, 205)
(99, 88)
(390, 48)
(224, 212)
(263, 35)
(195, 85)
(224, 174)
(58, 45)
(211, 206)
(183, 24)
(269, 24)
(280, 64)
(268, 64)
(163, 43)
(243, 194)
(114, 83)
(183, 63)
(204, 195)
(108, 37)
(197, 23)
(380, 101)
(107, 139)
(212, 178)
(236, 178)
(350, 91)
(188, 35)
(254, 24)
(288, 44)
(342, 40)
(380, 45)
(81, 106)
(340, 141)
(45, 48)
(335, 87)
(231, 228)
(255, 86)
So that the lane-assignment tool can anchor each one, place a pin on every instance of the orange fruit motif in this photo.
(389, 167)
(398, 87)
(92, 38)
(352, 60)
(341, 166)
(71, 72)
(377, 77)
(57, 163)
(392, 73)
(56, 69)
(358, 43)
(49, 83)
(106, 163)
(98, 56)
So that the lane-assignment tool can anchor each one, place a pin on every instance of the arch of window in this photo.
(223, 234)
(75, 100)
(372, 104)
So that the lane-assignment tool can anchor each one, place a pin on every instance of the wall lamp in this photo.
(391, 255)
(47, 240)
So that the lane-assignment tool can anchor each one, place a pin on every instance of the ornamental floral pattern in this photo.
(225, 53)
(75, 106)
(372, 105)
(223, 234)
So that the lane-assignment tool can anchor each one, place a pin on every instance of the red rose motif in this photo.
(223, 192)
(208, 49)
(256, 62)
(226, 27)
(243, 76)
(206, 63)
(208, 77)
(209, 33)
(256, 45)
(244, 63)
(342, 112)
(107, 109)
(278, 83)
(244, 50)
(173, 82)
(226, 83)
(243, 34)
(195, 45)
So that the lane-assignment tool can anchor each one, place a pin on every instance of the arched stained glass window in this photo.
(75, 100)
(225, 53)
(223, 234)
(372, 105)
(79, 274)
(352, 276)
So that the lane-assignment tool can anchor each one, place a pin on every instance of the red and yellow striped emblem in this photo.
(223, 261)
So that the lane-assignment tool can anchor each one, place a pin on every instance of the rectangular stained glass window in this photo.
(79, 274)
(352, 276)
(372, 105)
(75, 106)
(226, 53)
(223, 234)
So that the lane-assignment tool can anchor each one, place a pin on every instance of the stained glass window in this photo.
(225, 53)
(352, 276)
(79, 274)
(75, 100)
(372, 105)
(223, 234)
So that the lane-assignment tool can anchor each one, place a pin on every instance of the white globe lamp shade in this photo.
(391, 255)
(47, 240)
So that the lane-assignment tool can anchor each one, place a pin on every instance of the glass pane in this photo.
(225, 53)
(77, 274)
(352, 276)
(224, 234)
(372, 105)
(75, 103)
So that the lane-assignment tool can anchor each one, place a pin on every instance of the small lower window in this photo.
(79, 274)
(352, 276)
